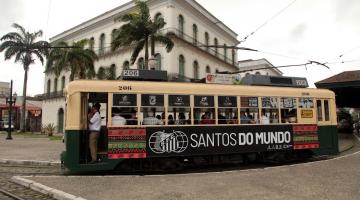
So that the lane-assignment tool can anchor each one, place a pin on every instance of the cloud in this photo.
(348, 10)
(297, 33)
(11, 11)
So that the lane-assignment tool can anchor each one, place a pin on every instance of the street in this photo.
(336, 178)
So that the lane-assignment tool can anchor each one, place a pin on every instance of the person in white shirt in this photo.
(264, 119)
(94, 128)
(151, 120)
(118, 120)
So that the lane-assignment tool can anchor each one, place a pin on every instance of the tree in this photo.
(139, 30)
(24, 46)
(76, 59)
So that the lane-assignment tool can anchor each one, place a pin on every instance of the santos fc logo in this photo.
(175, 142)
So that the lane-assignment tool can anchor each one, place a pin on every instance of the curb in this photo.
(54, 193)
(30, 162)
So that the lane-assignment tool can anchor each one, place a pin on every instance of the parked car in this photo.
(6, 126)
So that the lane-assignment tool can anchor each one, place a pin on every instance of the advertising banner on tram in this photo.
(201, 140)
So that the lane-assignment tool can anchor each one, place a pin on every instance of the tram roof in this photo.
(191, 88)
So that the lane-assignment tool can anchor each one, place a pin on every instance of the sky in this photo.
(319, 30)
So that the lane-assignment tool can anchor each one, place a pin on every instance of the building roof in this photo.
(347, 76)
(30, 105)
(263, 64)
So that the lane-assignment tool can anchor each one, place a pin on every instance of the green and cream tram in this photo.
(166, 123)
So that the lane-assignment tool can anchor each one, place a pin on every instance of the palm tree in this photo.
(24, 45)
(138, 30)
(76, 59)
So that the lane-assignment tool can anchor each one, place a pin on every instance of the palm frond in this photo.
(140, 45)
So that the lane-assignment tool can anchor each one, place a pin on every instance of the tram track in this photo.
(10, 195)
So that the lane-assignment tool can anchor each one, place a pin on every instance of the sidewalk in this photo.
(30, 150)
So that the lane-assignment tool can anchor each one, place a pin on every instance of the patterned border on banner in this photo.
(126, 143)
(306, 137)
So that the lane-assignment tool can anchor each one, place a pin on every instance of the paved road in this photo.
(25, 148)
(331, 179)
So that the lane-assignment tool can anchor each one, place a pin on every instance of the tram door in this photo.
(87, 101)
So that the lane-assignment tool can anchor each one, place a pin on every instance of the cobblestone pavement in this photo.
(7, 171)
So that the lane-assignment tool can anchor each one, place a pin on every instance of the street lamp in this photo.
(11, 101)
(152, 63)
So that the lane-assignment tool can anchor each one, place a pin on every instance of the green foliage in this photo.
(138, 30)
(79, 61)
(106, 73)
(49, 129)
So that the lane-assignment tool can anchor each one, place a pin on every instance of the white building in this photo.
(4, 89)
(260, 67)
(190, 26)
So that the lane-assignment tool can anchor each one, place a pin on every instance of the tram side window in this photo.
(179, 111)
(319, 110)
(204, 112)
(306, 103)
(152, 110)
(249, 112)
(288, 110)
(124, 109)
(270, 110)
(327, 110)
(227, 111)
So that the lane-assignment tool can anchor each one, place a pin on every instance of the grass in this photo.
(33, 135)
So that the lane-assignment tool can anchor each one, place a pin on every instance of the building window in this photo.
(207, 41)
(55, 84)
(233, 56)
(257, 73)
(111, 72)
(225, 52)
(216, 71)
(195, 31)
(126, 65)
(181, 25)
(181, 65)
(91, 44)
(208, 70)
(216, 45)
(102, 44)
(62, 83)
(141, 63)
(113, 37)
(48, 87)
(158, 61)
(196, 70)
(158, 16)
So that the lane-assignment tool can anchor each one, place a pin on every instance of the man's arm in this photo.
(95, 117)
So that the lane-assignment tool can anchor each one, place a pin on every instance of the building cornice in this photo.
(109, 16)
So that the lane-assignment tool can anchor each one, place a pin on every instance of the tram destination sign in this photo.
(201, 140)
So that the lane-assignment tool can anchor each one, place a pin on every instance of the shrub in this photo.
(50, 129)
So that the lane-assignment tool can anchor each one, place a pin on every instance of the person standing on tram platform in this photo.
(94, 128)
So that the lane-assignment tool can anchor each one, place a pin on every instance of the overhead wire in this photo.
(267, 21)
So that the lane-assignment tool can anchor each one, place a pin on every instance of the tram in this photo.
(166, 125)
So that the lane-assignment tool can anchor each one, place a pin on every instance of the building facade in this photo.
(258, 67)
(191, 27)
